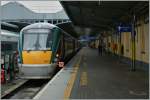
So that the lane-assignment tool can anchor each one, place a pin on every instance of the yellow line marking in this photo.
(71, 81)
(83, 79)
(70, 85)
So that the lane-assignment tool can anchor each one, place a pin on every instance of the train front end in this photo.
(35, 48)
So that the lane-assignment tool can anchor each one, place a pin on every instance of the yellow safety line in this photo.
(83, 80)
(70, 83)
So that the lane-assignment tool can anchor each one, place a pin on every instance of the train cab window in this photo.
(37, 39)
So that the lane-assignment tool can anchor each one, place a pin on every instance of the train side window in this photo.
(49, 41)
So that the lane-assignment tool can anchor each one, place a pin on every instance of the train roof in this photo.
(39, 25)
(9, 33)
(44, 25)
(8, 36)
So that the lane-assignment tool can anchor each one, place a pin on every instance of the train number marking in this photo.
(61, 64)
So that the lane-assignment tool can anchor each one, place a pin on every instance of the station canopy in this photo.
(102, 16)
(69, 28)
(95, 17)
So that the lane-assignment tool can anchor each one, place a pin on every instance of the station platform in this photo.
(11, 86)
(91, 76)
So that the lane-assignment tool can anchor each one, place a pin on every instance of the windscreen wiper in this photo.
(37, 44)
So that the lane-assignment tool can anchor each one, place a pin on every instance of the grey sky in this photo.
(40, 6)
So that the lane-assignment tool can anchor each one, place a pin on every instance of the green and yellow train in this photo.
(41, 47)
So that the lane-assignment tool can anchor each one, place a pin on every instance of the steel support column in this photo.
(133, 58)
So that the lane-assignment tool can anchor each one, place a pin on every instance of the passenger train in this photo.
(9, 42)
(41, 47)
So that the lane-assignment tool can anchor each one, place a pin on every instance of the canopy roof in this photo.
(103, 15)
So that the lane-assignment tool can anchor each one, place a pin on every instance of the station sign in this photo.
(124, 28)
(92, 38)
(127, 28)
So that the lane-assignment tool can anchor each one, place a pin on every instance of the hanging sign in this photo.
(124, 28)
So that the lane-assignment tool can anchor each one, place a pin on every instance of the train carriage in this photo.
(41, 47)
(9, 41)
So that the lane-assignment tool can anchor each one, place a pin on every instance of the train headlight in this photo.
(57, 55)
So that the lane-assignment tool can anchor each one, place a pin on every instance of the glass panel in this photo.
(37, 39)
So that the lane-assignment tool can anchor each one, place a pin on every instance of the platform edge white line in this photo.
(40, 93)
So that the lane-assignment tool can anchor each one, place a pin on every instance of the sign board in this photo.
(124, 28)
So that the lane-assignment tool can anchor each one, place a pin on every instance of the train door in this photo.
(60, 50)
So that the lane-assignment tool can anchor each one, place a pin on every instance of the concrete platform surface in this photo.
(90, 76)
(105, 77)
(55, 88)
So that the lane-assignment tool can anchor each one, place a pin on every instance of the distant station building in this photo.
(16, 12)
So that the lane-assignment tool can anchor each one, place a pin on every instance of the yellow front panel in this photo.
(36, 57)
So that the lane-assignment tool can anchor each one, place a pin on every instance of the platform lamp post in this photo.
(133, 67)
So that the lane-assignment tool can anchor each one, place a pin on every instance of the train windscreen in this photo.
(37, 39)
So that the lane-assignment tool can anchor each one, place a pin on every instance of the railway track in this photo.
(28, 90)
